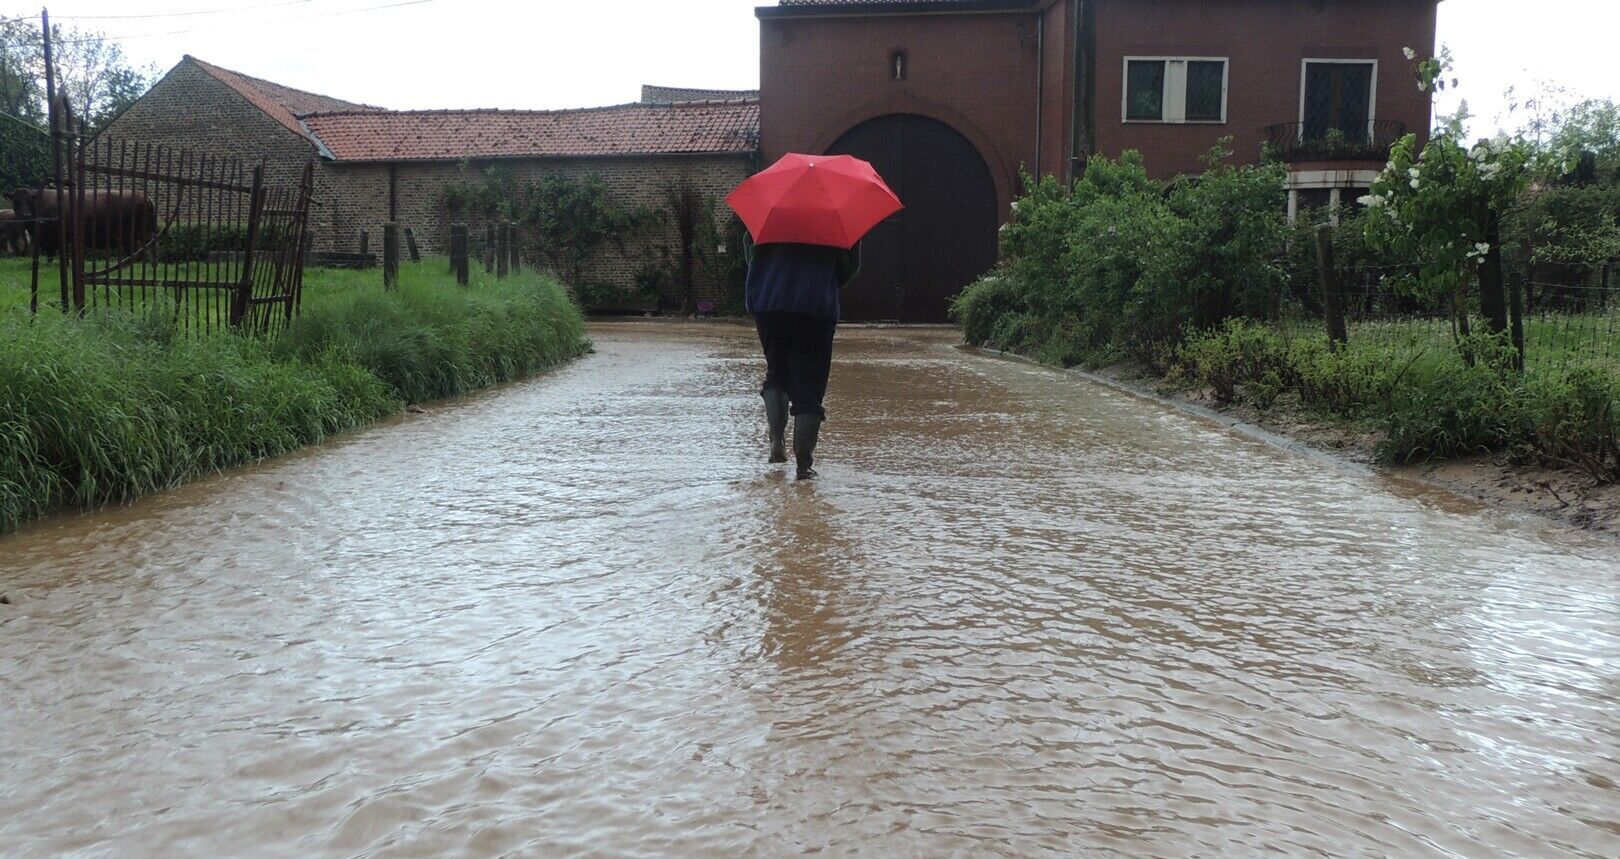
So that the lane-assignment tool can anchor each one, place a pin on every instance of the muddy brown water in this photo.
(1018, 615)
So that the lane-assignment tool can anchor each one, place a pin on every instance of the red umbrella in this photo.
(814, 200)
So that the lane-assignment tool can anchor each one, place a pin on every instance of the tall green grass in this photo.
(106, 408)
(1430, 403)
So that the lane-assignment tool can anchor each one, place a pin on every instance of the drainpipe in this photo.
(1040, 87)
(1084, 84)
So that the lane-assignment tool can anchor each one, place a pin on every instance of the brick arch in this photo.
(1003, 173)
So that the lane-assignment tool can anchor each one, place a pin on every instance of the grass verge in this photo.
(104, 409)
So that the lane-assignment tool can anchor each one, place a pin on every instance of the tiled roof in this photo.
(654, 94)
(450, 135)
(282, 103)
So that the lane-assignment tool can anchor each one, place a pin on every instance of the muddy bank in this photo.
(1565, 495)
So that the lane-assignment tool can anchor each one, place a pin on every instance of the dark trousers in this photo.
(798, 357)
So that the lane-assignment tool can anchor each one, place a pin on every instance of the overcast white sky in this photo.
(576, 53)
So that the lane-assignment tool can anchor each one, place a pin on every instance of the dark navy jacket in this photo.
(788, 278)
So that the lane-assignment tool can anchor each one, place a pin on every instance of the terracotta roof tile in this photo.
(655, 94)
(450, 135)
(282, 103)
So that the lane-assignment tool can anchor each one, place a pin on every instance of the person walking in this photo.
(793, 293)
(805, 216)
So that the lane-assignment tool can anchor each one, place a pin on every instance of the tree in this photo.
(92, 71)
(1589, 134)
(1443, 206)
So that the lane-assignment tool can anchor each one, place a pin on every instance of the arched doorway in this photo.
(913, 263)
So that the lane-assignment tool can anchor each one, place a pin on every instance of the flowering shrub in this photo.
(1442, 207)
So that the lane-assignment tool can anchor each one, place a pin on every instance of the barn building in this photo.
(374, 165)
(951, 99)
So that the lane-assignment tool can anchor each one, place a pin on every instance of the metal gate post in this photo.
(244, 289)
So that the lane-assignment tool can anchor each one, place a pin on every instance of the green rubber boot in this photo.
(805, 430)
(776, 415)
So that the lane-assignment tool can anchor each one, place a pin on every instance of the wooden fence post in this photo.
(365, 242)
(489, 248)
(502, 250)
(1332, 301)
(458, 252)
(390, 260)
(512, 246)
(410, 242)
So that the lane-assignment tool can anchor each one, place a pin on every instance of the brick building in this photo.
(374, 165)
(950, 99)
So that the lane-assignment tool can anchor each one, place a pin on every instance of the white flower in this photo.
(1423, 86)
(1415, 184)
(1371, 201)
(1414, 173)
(1410, 54)
(1489, 171)
(1483, 248)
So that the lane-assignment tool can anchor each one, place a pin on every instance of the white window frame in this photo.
(1372, 94)
(1175, 90)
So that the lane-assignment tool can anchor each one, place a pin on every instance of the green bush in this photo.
(1574, 420)
(1459, 411)
(1120, 263)
(1239, 353)
(984, 308)
(103, 409)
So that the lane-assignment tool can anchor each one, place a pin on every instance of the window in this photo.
(1337, 100)
(1175, 89)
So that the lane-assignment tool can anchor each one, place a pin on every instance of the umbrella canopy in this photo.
(814, 200)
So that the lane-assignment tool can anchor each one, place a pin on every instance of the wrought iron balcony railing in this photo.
(1292, 141)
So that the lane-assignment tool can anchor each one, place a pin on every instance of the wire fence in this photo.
(1562, 325)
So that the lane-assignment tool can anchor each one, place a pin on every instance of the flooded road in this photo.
(1018, 615)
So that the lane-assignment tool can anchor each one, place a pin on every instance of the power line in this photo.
(183, 14)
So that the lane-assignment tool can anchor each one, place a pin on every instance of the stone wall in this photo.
(355, 197)
(191, 110)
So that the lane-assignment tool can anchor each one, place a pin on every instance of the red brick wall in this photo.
(355, 198)
(1266, 41)
(821, 76)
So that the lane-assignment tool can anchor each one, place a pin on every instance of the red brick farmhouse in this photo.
(952, 98)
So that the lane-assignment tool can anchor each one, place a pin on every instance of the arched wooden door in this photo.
(914, 263)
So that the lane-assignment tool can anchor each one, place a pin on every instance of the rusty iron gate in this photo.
(148, 227)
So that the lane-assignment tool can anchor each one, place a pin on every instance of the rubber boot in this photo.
(805, 430)
(776, 415)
